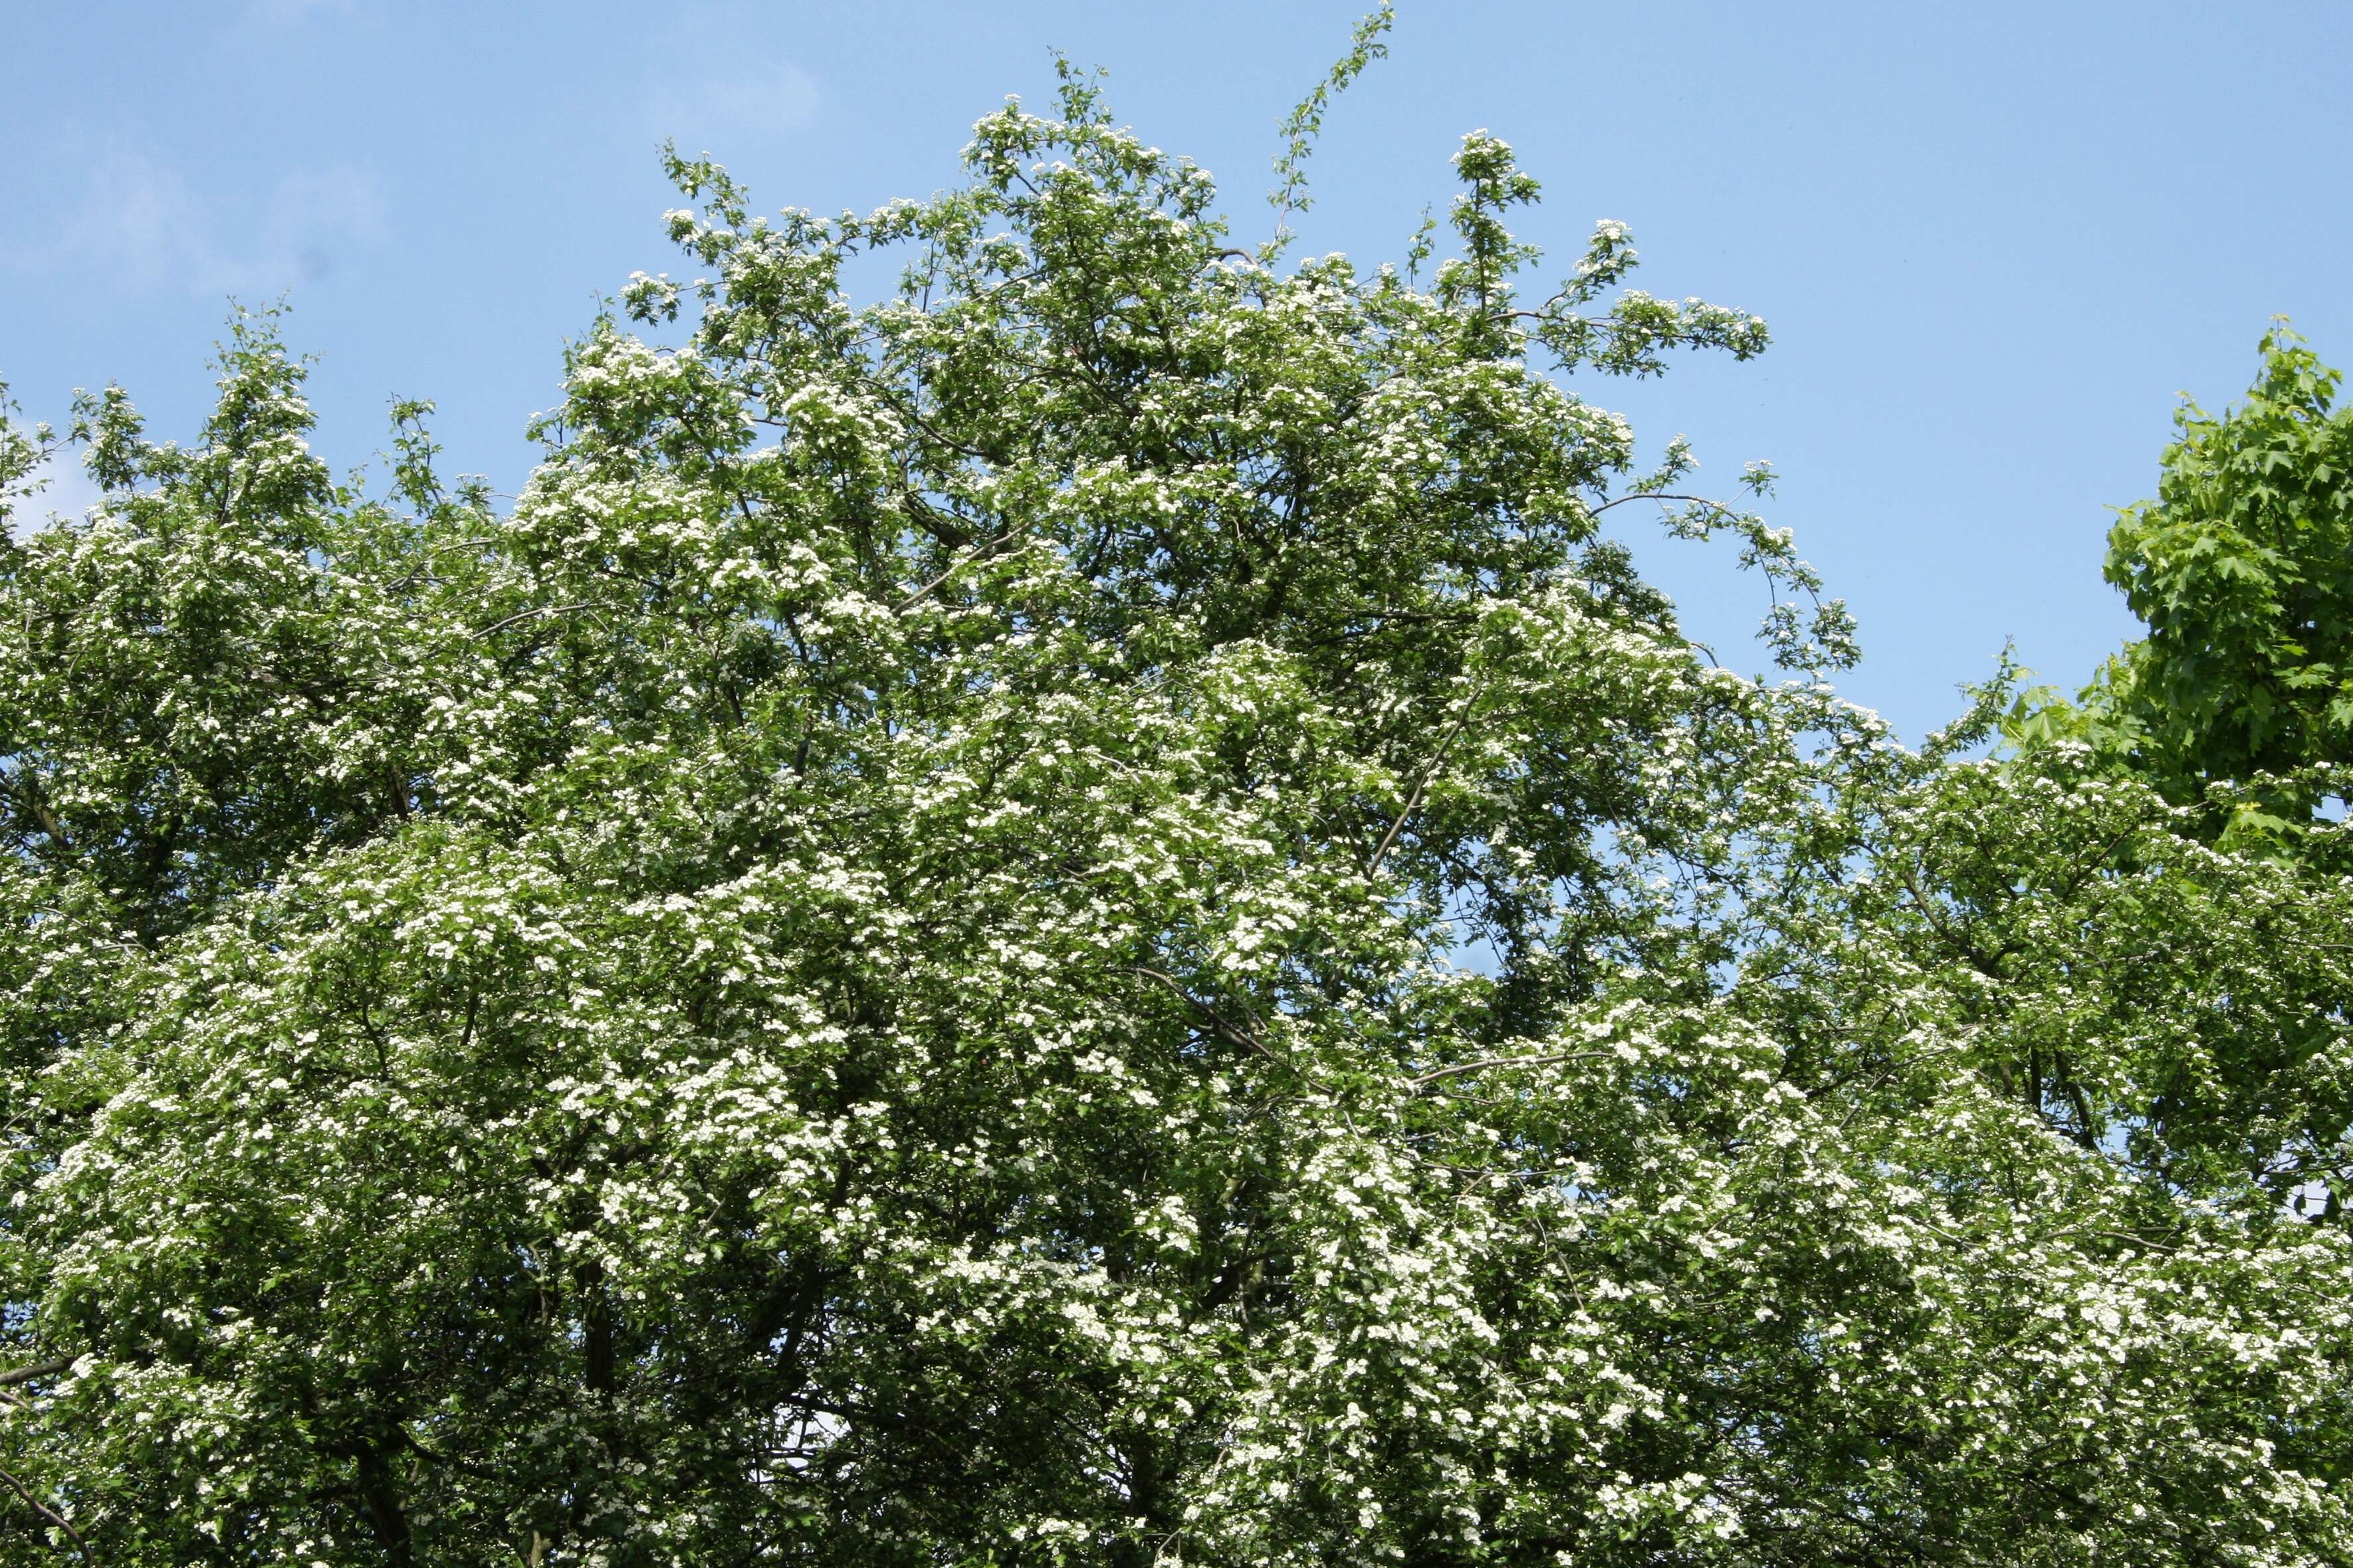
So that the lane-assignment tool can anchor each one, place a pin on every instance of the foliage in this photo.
(1086, 916)
(1305, 123)
(2243, 571)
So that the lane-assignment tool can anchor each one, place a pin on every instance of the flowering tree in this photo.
(1087, 916)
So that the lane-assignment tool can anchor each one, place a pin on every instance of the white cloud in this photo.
(758, 101)
(135, 218)
(66, 491)
(138, 220)
(313, 211)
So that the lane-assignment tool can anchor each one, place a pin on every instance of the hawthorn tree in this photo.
(1086, 915)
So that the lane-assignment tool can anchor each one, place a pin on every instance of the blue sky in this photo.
(1994, 241)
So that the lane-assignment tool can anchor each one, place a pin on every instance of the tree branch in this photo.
(532, 615)
(1232, 1032)
(958, 564)
(1663, 495)
(1483, 1063)
(22, 787)
(15, 1375)
(1413, 801)
(54, 1518)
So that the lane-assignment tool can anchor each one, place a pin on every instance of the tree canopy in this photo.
(2242, 572)
(1086, 915)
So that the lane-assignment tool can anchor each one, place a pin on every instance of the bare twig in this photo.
(533, 614)
(1708, 502)
(1483, 1063)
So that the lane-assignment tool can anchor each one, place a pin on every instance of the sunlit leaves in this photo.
(1086, 915)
